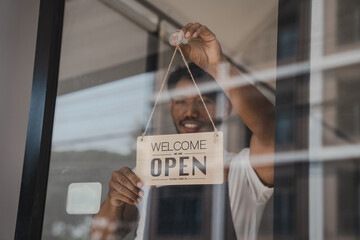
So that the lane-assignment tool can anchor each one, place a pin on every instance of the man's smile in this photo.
(191, 125)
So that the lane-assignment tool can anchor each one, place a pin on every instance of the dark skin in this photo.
(188, 112)
(254, 109)
(189, 116)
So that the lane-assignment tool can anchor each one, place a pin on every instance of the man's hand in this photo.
(118, 211)
(202, 48)
(124, 187)
(256, 111)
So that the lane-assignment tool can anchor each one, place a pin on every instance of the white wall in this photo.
(18, 28)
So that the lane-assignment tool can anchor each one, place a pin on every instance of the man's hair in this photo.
(199, 75)
(182, 72)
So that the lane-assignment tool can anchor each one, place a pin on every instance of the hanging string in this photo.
(158, 96)
(197, 89)
(162, 86)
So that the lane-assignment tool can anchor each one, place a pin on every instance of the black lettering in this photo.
(182, 145)
(177, 149)
(192, 146)
(202, 144)
(182, 166)
(165, 146)
(198, 164)
(167, 165)
(155, 146)
(158, 160)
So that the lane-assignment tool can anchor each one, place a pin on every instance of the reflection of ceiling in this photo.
(97, 38)
(233, 21)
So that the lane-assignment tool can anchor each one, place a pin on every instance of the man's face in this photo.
(189, 113)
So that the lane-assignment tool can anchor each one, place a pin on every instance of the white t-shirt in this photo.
(248, 197)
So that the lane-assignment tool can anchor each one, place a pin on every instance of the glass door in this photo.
(114, 58)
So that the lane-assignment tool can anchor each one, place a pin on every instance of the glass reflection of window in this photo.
(287, 42)
(349, 106)
(348, 199)
(348, 22)
(102, 117)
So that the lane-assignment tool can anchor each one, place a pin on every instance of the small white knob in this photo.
(177, 38)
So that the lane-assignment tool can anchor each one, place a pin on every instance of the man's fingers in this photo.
(204, 33)
(192, 29)
(124, 191)
(125, 187)
(125, 182)
(134, 179)
(186, 27)
(117, 199)
(196, 30)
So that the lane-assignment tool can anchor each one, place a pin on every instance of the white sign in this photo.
(180, 159)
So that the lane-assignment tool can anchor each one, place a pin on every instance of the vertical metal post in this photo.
(315, 121)
(291, 185)
(38, 142)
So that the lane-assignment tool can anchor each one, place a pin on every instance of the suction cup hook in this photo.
(177, 37)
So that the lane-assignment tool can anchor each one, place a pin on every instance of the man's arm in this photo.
(118, 214)
(256, 111)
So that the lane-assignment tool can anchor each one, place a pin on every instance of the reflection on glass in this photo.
(170, 212)
(102, 117)
(111, 70)
(106, 91)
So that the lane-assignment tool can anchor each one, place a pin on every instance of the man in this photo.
(249, 181)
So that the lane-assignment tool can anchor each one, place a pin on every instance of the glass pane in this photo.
(100, 108)
(114, 59)
(336, 155)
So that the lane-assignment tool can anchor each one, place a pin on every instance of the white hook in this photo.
(177, 37)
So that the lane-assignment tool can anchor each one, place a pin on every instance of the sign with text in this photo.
(180, 159)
